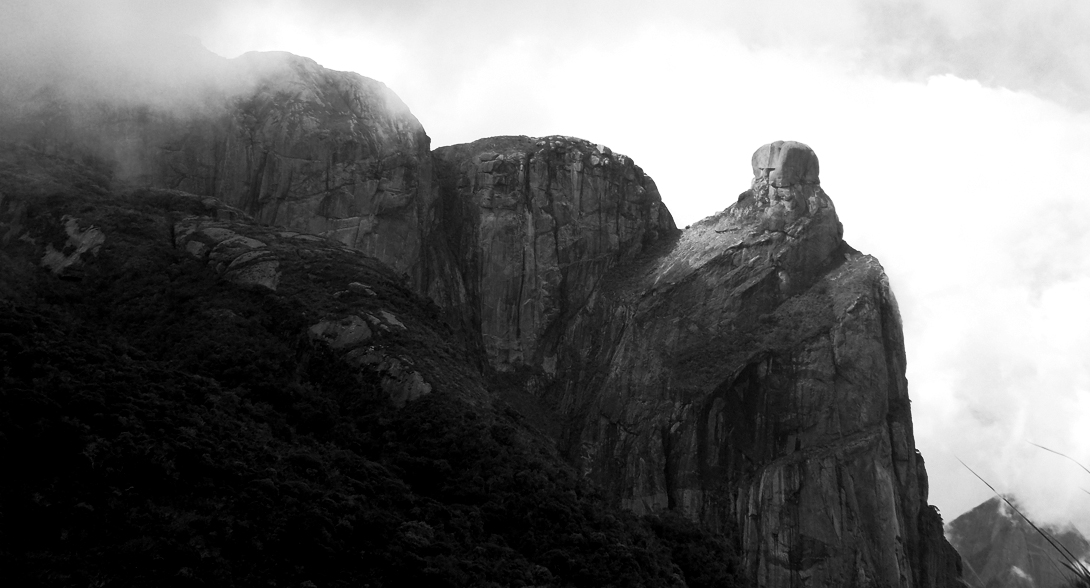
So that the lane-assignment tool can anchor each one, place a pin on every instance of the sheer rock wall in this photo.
(748, 371)
(752, 373)
(536, 224)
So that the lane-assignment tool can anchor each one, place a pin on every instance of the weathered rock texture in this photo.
(287, 141)
(354, 324)
(330, 153)
(748, 371)
(1001, 550)
(751, 373)
(534, 225)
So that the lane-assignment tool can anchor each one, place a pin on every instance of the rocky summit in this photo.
(1002, 549)
(746, 374)
(752, 375)
(536, 225)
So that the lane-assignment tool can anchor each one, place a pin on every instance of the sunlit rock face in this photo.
(752, 372)
(537, 223)
(276, 135)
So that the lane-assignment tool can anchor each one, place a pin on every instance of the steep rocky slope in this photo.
(1002, 550)
(276, 135)
(326, 152)
(190, 398)
(751, 373)
(535, 225)
(747, 372)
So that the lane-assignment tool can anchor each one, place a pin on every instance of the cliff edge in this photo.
(752, 374)
(747, 372)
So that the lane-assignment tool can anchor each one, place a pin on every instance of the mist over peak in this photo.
(88, 51)
(999, 547)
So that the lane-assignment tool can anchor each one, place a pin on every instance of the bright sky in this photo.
(951, 134)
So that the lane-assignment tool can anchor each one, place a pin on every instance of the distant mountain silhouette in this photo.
(1001, 550)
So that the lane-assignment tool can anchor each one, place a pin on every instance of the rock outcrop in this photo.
(751, 374)
(353, 324)
(276, 135)
(79, 242)
(1002, 550)
(748, 372)
(329, 153)
(536, 224)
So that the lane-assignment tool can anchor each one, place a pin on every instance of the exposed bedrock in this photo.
(287, 141)
(534, 225)
(1004, 550)
(753, 372)
(326, 152)
(748, 371)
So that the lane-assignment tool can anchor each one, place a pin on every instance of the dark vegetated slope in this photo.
(161, 425)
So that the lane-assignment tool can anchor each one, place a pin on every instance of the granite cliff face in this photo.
(194, 399)
(747, 372)
(276, 135)
(330, 153)
(751, 373)
(535, 225)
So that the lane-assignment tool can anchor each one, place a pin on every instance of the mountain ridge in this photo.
(737, 372)
(170, 418)
(1000, 548)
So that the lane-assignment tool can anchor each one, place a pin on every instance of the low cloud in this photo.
(118, 50)
(1039, 47)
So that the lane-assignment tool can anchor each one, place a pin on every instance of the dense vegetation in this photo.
(162, 426)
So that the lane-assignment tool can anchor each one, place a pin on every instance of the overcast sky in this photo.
(951, 133)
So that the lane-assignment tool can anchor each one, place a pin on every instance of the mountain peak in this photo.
(747, 374)
(1002, 550)
(785, 163)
